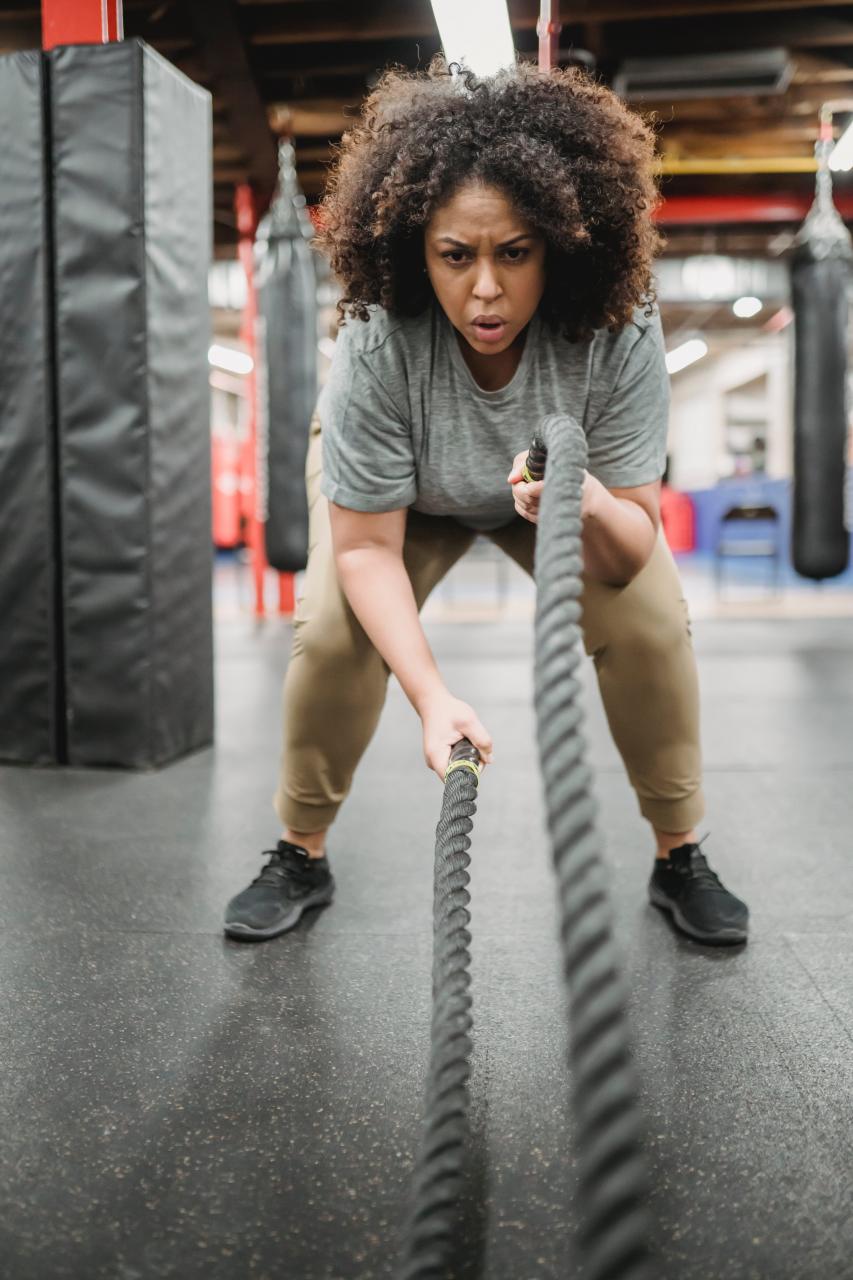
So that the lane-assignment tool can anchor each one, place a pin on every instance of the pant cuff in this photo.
(674, 815)
(300, 816)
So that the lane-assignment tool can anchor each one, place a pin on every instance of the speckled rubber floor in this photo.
(178, 1104)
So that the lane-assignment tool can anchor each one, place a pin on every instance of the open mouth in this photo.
(489, 330)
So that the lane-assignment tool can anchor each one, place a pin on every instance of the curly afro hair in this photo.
(571, 158)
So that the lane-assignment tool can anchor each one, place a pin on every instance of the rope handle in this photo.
(534, 467)
(464, 755)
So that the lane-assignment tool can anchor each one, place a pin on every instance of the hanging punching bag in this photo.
(820, 271)
(287, 374)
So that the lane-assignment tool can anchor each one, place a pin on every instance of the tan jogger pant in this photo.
(335, 685)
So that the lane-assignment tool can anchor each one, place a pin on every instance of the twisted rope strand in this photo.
(611, 1170)
(428, 1245)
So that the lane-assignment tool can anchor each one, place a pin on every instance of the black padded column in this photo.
(131, 178)
(31, 709)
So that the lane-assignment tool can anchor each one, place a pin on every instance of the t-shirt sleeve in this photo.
(368, 457)
(627, 437)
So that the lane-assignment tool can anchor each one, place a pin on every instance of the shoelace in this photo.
(280, 867)
(698, 870)
(701, 874)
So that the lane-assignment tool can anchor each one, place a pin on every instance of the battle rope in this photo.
(612, 1176)
(431, 1228)
(612, 1180)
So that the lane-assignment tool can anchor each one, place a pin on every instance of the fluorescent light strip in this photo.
(476, 33)
(230, 359)
(688, 353)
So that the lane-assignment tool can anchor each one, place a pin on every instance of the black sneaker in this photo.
(701, 906)
(289, 884)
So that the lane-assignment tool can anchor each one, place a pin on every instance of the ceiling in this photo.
(308, 63)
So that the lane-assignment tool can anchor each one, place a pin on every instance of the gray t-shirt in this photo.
(404, 424)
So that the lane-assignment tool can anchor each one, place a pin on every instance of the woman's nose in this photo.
(487, 284)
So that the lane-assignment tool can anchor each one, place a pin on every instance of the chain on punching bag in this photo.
(820, 275)
(287, 373)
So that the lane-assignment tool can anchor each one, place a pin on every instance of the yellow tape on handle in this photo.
(464, 755)
(476, 769)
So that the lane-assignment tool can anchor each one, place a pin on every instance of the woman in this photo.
(494, 243)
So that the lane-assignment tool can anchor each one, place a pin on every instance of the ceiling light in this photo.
(476, 33)
(230, 359)
(841, 156)
(688, 353)
(746, 307)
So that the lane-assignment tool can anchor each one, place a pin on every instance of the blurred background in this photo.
(734, 88)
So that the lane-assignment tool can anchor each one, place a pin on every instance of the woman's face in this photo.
(484, 263)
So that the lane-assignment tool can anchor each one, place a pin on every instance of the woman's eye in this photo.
(456, 257)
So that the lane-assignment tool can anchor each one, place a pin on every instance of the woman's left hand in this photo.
(526, 496)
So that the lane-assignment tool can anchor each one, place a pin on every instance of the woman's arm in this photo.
(369, 558)
(619, 525)
(619, 530)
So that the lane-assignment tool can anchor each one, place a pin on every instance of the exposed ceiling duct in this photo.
(711, 75)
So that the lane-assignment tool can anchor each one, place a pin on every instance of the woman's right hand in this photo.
(445, 720)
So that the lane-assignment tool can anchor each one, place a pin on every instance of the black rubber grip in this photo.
(537, 456)
(464, 749)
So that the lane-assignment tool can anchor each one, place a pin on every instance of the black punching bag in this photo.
(287, 373)
(820, 270)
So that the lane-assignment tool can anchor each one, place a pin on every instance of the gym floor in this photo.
(175, 1104)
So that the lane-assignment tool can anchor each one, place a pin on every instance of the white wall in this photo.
(698, 413)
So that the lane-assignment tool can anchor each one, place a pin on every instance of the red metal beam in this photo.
(81, 22)
(784, 207)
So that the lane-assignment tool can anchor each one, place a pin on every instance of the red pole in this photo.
(81, 22)
(246, 211)
(548, 29)
(286, 593)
